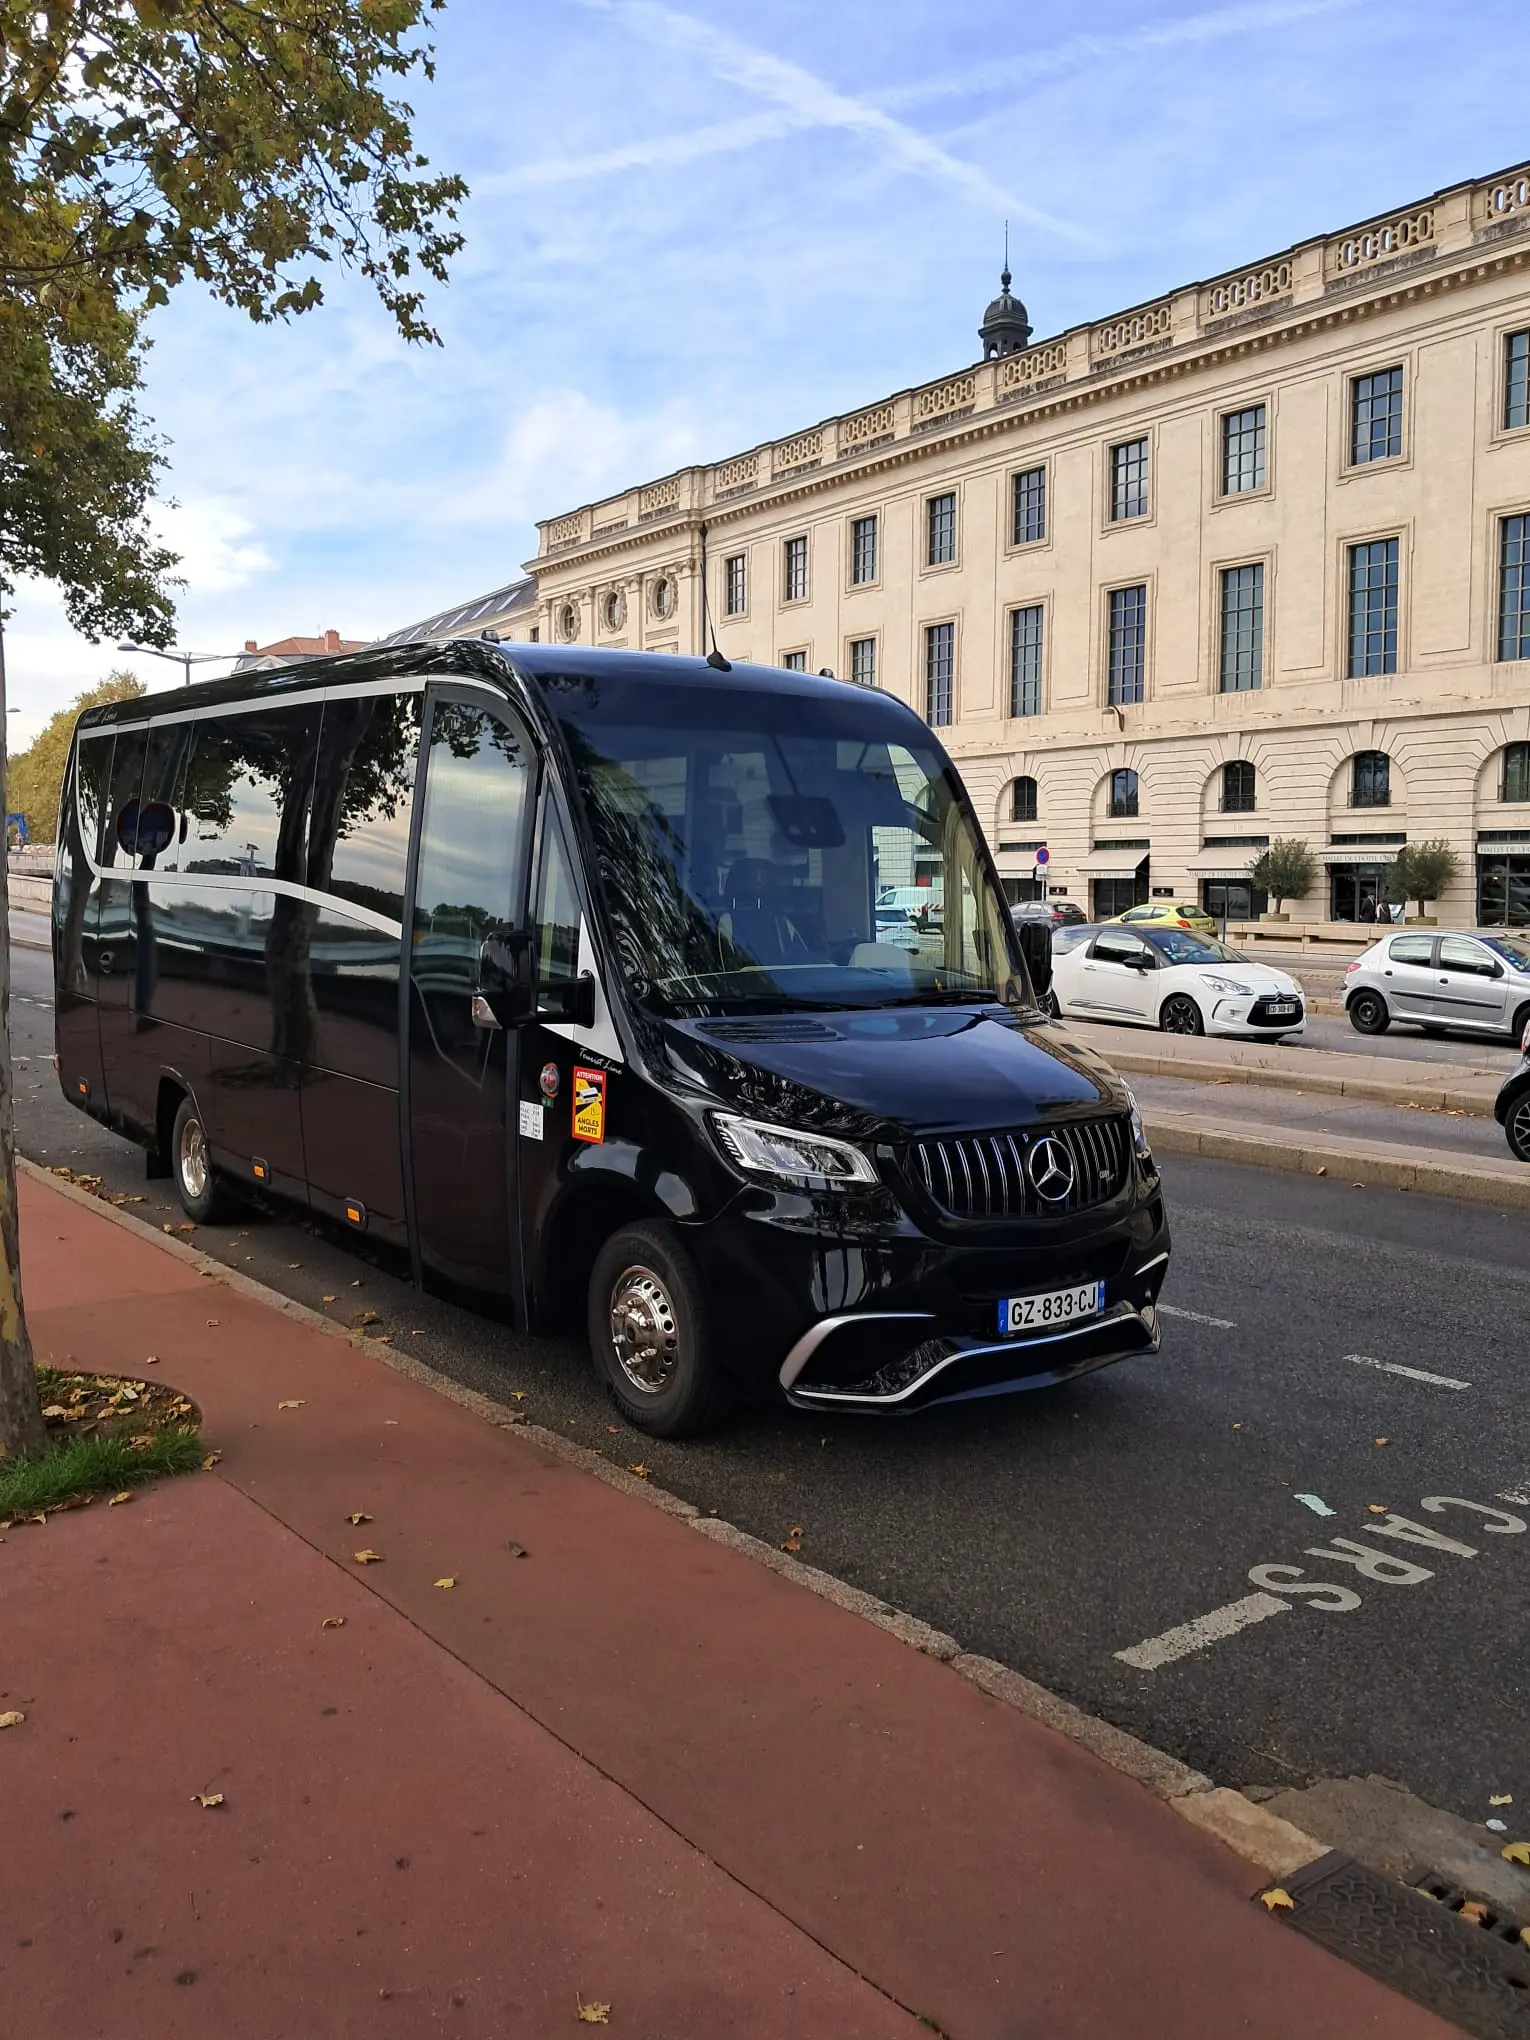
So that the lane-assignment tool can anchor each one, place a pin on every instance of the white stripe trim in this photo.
(1410, 1373)
(1222, 1324)
(1203, 1631)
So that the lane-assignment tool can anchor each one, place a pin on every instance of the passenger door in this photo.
(1469, 986)
(1116, 975)
(1408, 977)
(469, 882)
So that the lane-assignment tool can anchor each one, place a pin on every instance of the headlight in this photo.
(810, 1160)
(1222, 984)
(1139, 1131)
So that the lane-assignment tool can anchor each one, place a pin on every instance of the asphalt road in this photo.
(1055, 1531)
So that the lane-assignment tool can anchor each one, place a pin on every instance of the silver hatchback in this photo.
(1447, 984)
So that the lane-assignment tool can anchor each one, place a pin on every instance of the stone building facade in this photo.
(1250, 561)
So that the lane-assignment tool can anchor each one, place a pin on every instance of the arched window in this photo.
(1123, 795)
(1371, 784)
(1516, 772)
(1239, 788)
(1022, 800)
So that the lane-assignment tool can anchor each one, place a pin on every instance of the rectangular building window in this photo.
(1516, 381)
(794, 570)
(735, 585)
(1243, 445)
(794, 662)
(1030, 506)
(1377, 424)
(939, 673)
(1128, 480)
(1514, 589)
(1127, 644)
(1026, 640)
(1373, 608)
(1242, 655)
(863, 661)
(941, 512)
(863, 551)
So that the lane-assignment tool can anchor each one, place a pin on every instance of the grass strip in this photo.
(83, 1466)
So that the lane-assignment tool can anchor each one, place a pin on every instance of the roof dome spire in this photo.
(1005, 329)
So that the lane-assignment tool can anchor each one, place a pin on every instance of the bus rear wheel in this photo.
(202, 1196)
(649, 1333)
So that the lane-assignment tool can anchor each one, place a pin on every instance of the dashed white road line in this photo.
(1204, 1630)
(1222, 1324)
(1410, 1373)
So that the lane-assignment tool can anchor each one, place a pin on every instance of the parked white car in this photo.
(1447, 984)
(1174, 979)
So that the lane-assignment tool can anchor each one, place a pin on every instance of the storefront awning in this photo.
(1489, 846)
(1375, 853)
(1111, 864)
(1221, 863)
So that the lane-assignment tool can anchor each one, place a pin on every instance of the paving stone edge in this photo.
(1276, 1847)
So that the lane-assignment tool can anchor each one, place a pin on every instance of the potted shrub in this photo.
(1422, 872)
(1286, 870)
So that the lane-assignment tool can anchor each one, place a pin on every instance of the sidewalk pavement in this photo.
(616, 1762)
(30, 931)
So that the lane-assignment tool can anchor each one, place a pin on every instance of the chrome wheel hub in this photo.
(1519, 1128)
(192, 1159)
(644, 1333)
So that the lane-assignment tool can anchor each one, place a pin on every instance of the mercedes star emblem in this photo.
(1052, 1171)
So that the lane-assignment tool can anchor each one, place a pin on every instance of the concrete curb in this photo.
(1374, 1165)
(1272, 1845)
(1476, 1104)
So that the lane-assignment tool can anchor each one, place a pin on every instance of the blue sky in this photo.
(700, 225)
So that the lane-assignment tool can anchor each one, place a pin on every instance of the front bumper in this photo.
(1250, 1017)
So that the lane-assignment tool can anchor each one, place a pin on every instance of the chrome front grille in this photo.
(994, 1175)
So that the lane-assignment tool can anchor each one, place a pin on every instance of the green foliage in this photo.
(1286, 870)
(244, 143)
(85, 1466)
(33, 777)
(1423, 871)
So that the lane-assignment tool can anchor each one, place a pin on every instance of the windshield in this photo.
(761, 848)
(1514, 949)
(1180, 946)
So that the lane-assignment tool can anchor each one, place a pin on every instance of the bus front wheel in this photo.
(202, 1196)
(649, 1333)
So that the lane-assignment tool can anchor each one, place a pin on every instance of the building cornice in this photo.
(1463, 235)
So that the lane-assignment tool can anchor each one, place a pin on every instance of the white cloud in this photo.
(217, 548)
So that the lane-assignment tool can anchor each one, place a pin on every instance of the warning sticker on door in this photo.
(589, 1105)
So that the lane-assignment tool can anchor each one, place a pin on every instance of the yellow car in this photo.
(1170, 914)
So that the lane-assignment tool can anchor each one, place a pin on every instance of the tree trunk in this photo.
(21, 1424)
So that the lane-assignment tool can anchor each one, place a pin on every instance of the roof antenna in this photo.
(715, 658)
(1005, 279)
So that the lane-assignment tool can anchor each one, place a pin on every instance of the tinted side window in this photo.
(1411, 949)
(1121, 949)
(358, 840)
(120, 836)
(247, 790)
(557, 928)
(92, 774)
(1469, 959)
(163, 777)
(472, 839)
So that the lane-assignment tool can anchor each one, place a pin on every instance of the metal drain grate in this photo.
(1416, 1941)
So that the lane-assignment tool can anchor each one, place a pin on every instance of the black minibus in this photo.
(562, 973)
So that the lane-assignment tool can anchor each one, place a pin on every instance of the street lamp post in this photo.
(185, 659)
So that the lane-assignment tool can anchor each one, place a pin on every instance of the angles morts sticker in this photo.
(589, 1104)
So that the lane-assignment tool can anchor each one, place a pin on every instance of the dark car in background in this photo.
(1055, 913)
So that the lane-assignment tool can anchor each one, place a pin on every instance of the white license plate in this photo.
(1278, 1008)
(1055, 1307)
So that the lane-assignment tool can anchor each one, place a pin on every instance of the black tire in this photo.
(1048, 1004)
(1368, 1013)
(1516, 1127)
(662, 1373)
(202, 1196)
(1179, 1014)
(1521, 1022)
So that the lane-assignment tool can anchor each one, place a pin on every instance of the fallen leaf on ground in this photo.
(151, 1359)
(614, 1430)
(1320, 1172)
(1382, 1441)
(519, 1394)
(57, 1412)
(640, 1470)
(1500, 1799)
(1277, 1900)
(449, 1581)
(211, 1322)
(517, 1550)
(1516, 1852)
(329, 1299)
(591, 2015)
(211, 1461)
(367, 1317)
(116, 1501)
(357, 1517)
(208, 1799)
(333, 1622)
(792, 1544)
(189, 1226)
(293, 1402)
(367, 1557)
(1475, 1911)
(1377, 1508)
(13, 1719)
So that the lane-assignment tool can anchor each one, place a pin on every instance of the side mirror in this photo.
(508, 986)
(1036, 948)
